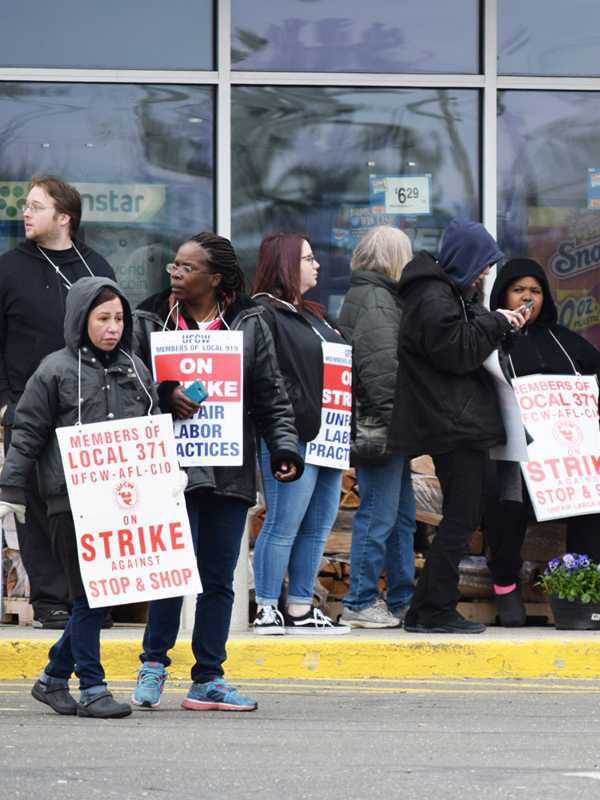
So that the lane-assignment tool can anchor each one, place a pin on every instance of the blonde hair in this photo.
(382, 249)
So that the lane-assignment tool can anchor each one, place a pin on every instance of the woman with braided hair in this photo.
(207, 293)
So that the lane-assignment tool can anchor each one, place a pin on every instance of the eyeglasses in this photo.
(34, 208)
(311, 259)
(185, 268)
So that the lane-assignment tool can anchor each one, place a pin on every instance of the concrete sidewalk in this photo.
(387, 655)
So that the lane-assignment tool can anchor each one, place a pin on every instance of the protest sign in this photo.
(214, 436)
(562, 473)
(133, 532)
(331, 446)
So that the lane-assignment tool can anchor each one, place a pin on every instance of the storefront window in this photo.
(112, 34)
(549, 195)
(353, 36)
(332, 162)
(141, 156)
(538, 37)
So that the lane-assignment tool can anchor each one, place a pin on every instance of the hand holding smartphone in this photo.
(196, 392)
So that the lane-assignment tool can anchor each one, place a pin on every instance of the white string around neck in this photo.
(56, 268)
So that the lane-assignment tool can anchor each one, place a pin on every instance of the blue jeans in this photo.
(383, 535)
(217, 525)
(297, 523)
(78, 649)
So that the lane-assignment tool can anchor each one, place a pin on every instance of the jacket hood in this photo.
(466, 250)
(80, 297)
(521, 268)
(423, 267)
(30, 249)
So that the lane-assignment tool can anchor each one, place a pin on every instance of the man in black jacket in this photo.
(34, 280)
(445, 403)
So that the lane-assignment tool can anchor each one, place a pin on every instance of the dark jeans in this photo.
(461, 476)
(217, 525)
(47, 583)
(505, 525)
(78, 649)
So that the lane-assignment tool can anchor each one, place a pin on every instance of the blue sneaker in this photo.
(217, 695)
(150, 683)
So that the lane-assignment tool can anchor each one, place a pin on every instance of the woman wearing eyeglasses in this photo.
(207, 293)
(299, 518)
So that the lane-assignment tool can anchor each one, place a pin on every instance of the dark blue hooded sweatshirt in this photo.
(466, 250)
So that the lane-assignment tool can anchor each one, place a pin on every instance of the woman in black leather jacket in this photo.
(207, 293)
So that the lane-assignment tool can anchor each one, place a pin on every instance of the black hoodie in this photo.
(535, 350)
(445, 398)
(32, 309)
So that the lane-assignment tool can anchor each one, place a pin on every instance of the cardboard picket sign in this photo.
(562, 472)
(331, 446)
(133, 532)
(215, 435)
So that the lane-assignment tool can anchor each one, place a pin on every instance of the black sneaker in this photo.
(107, 621)
(511, 609)
(454, 623)
(269, 622)
(314, 622)
(52, 620)
(58, 698)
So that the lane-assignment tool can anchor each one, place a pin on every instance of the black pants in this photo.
(461, 476)
(505, 525)
(48, 585)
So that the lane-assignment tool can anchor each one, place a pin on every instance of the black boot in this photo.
(103, 706)
(511, 610)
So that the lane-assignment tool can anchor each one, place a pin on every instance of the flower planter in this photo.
(569, 616)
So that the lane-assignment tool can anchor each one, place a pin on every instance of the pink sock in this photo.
(504, 589)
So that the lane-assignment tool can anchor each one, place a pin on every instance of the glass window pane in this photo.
(112, 34)
(311, 160)
(142, 157)
(354, 36)
(549, 195)
(538, 37)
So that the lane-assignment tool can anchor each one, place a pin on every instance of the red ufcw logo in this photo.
(568, 433)
(126, 494)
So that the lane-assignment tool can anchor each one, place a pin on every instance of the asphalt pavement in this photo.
(327, 740)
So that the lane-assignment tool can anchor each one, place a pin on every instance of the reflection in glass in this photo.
(112, 34)
(538, 37)
(354, 36)
(141, 156)
(549, 195)
(303, 158)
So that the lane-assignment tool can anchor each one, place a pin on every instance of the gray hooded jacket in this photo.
(120, 389)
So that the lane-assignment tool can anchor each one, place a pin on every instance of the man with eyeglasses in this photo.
(34, 280)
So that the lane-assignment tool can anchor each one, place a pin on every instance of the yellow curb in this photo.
(342, 660)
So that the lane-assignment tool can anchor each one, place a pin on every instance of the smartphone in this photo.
(196, 391)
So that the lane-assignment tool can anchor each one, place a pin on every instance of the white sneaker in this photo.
(375, 616)
(269, 622)
(313, 623)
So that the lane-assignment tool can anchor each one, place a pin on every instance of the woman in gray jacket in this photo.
(384, 525)
(70, 387)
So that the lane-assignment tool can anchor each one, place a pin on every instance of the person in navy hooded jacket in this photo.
(446, 405)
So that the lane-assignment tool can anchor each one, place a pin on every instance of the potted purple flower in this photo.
(573, 585)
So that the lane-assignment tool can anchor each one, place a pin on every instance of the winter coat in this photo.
(120, 388)
(266, 406)
(534, 350)
(370, 321)
(32, 310)
(300, 356)
(445, 399)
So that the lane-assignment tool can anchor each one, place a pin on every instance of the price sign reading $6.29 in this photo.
(408, 194)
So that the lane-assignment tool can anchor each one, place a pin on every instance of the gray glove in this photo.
(12, 508)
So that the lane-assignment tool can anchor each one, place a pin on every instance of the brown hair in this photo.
(278, 270)
(67, 199)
